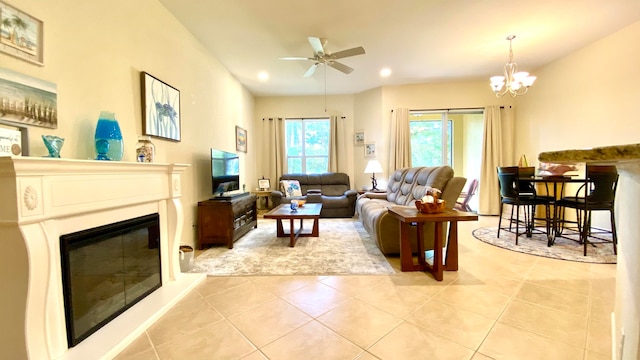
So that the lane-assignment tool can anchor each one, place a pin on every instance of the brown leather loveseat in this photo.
(333, 190)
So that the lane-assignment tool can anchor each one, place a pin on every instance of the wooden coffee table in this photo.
(410, 216)
(284, 212)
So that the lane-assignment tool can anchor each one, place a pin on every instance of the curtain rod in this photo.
(471, 109)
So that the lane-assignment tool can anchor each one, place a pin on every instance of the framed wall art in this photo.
(358, 137)
(161, 108)
(27, 100)
(20, 34)
(370, 149)
(241, 139)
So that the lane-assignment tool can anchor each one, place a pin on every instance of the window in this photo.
(446, 137)
(307, 145)
(426, 143)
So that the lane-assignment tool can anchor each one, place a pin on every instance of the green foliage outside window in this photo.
(426, 142)
(307, 145)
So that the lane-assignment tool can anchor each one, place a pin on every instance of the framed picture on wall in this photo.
(27, 100)
(161, 107)
(241, 139)
(370, 150)
(21, 34)
(358, 137)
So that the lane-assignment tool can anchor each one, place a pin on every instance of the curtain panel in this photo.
(497, 150)
(399, 140)
(337, 145)
(273, 150)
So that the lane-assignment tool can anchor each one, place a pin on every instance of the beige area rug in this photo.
(343, 248)
(600, 249)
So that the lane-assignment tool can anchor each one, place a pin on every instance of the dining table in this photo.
(558, 183)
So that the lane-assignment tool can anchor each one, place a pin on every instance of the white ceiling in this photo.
(420, 40)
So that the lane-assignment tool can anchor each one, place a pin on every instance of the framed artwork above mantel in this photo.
(21, 34)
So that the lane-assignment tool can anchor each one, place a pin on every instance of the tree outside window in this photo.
(426, 142)
(307, 145)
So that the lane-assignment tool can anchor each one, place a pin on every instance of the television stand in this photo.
(223, 221)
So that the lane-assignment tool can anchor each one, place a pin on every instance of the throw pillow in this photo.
(291, 187)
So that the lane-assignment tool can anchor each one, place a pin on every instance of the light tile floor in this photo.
(500, 305)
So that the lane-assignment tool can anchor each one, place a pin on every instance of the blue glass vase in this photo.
(53, 144)
(108, 138)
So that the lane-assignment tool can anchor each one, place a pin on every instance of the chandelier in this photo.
(517, 82)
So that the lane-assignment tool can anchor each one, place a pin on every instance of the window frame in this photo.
(303, 156)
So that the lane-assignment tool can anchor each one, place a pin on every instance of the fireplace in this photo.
(106, 270)
(44, 200)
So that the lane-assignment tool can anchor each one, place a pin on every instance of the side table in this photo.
(265, 194)
(409, 216)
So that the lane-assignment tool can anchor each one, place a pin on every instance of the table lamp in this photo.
(373, 167)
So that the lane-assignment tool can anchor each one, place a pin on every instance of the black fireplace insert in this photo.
(106, 270)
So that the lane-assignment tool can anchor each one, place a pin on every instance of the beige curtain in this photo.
(273, 150)
(337, 146)
(400, 140)
(497, 150)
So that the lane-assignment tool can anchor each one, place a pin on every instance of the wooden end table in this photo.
(265, 194)
(409, 216)
(283, 212)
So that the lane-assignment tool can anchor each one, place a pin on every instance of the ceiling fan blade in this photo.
(346, 53)
(317, 45)
(339, 66)
(295, 58)
(311, 70)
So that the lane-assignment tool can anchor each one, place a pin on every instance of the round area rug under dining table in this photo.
(565, 248)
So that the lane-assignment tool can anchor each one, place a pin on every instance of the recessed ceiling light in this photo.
(263, 75)
(385, 72)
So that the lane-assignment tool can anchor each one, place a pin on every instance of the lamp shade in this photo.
(373, 166)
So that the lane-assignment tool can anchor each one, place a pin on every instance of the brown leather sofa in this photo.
(404, 187)
(330, 189)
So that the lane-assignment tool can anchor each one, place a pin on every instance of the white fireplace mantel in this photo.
(43, 198)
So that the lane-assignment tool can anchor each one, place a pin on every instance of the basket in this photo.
(430, 208)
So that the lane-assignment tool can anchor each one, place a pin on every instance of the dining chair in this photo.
(598, 193)
(462, 203)
(519, 193)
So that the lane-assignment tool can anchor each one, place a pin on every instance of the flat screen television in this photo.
(225, 172)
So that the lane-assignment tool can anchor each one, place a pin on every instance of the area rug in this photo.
(343, 248)
(565, 248)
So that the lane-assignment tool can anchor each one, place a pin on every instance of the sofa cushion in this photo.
(430, 178)
(293, 185)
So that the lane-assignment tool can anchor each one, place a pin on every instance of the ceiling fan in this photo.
(321, 56)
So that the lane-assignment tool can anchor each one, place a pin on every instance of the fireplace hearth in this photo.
(44, 199)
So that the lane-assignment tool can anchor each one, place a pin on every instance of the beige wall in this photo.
(586, 99)
(308, 107)
(94, 52)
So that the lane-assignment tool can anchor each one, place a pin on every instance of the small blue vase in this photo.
(53, 144)
(108, 138)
